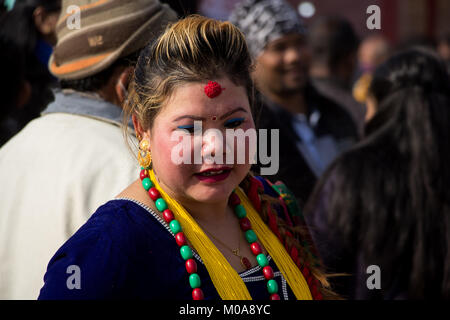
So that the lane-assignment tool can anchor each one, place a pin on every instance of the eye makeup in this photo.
(187, 127)
(234, 122)
(230, 123)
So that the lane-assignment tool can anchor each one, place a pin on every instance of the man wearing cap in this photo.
(312, 129)
(72, 159)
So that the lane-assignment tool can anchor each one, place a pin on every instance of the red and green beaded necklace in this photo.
(186, 251)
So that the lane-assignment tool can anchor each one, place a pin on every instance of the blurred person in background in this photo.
(372, 52)
(444, 49)
(313, 129)
(334, 47)
(386, 202)
(58, 168)
(30, 26)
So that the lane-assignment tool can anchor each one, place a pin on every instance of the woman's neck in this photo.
(209, 214)
(206, 213)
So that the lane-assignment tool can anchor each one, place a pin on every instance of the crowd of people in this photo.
(88, 183)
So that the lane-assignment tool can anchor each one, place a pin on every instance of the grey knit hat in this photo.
(263, 21)
(109, 30)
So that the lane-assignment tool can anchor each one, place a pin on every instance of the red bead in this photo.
(154, 193)
(197, 294)
(168, 215)
(275, 296)
(191, 266)
(256, 248)
(143, 174)
(180, 239)
(234, 200)
(268, 272)
(245, 224)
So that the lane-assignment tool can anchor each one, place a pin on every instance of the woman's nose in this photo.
(213, 145)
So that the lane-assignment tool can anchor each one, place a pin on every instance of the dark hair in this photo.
(404, 76)
(12, 64)
(332, 39)
(390, 199)
(183, 8)
(99, 80)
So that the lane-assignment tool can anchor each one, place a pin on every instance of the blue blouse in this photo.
(126, 251)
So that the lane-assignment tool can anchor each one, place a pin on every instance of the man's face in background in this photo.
(282, 67)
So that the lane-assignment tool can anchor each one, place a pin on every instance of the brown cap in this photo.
(108, 30)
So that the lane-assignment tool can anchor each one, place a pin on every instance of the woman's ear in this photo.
(137, 127)
(141, 133)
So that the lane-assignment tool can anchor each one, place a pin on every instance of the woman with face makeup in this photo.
(195, 229)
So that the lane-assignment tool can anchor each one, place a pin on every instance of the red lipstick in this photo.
(214, 174)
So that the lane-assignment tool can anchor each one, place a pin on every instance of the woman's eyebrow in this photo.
(188, 116)
(227, 114)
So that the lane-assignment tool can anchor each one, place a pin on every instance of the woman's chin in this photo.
(209, 193)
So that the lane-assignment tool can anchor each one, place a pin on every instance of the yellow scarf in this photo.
(226, 280)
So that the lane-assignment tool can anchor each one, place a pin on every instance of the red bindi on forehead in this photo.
(213, 89)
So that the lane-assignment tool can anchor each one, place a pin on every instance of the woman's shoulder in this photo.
(106, 250)
(124, 217)
(120, 224)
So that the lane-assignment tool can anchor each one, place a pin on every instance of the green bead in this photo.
(147, 183)
(186, 252)
(194, 281)
(240, 212)
(272, 286)
(262, 260)
(161, 204)
(250, 235)
(175, 226)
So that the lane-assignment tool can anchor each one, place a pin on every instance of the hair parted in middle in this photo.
(194, 49)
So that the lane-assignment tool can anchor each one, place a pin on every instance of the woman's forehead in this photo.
(191, 98)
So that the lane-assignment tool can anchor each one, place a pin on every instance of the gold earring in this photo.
(144, 156)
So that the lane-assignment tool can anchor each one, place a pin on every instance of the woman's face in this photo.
(172, 138)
